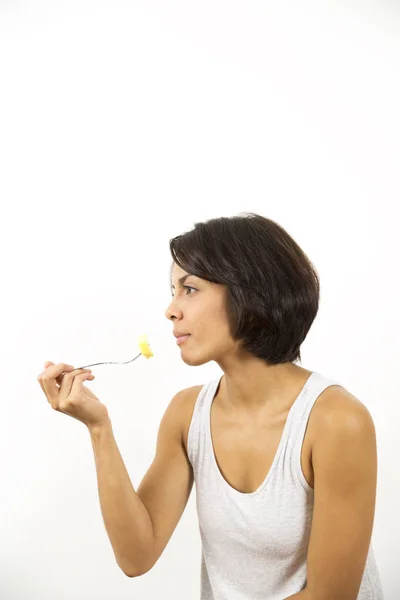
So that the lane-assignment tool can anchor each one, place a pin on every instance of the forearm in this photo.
(126, 518)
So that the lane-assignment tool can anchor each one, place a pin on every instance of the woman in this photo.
(284, 459)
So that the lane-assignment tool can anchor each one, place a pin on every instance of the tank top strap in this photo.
(197, 439)
(316, 384)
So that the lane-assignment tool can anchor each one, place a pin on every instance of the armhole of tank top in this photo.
(193, 419)
(302, 433)
(298, 450)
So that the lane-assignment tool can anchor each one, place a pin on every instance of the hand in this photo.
(64, 389)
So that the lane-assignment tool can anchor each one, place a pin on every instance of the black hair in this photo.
(272, 286)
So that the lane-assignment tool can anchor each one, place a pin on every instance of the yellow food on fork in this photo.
(144, 346)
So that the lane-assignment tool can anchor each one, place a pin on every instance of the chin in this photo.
(195, 361)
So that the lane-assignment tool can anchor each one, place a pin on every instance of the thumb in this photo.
(48, 363)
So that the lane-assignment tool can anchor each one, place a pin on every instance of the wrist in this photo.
(99, 427)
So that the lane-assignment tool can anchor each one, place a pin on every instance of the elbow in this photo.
(129, 572)
(142, 567)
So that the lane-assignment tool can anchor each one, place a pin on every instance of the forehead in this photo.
(178, 276)
(177, 272)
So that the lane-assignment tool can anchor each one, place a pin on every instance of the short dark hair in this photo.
(272, 286)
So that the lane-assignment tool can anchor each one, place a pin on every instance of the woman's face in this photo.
(198, 308)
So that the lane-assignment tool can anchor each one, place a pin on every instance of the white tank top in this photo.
(254, 545)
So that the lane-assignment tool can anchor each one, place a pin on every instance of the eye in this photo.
(188, 287)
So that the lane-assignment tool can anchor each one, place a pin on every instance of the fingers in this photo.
(68, 401)
(54, 371)
(48, 380)
(68, 381)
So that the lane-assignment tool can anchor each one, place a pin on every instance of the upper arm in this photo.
(344, 458)
(166, 487)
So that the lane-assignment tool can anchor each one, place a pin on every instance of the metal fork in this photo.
(110, 363)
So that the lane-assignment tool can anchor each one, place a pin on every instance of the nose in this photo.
(171, 311)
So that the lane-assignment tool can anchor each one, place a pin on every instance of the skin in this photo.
(339, 453)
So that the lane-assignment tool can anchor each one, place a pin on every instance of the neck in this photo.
(252, 387)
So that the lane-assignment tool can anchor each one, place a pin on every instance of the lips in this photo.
(182, 338)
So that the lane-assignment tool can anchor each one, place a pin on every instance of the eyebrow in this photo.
(182, 280)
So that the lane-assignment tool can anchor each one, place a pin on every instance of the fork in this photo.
(110, 363)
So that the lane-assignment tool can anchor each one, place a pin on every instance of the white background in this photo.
(121, 125)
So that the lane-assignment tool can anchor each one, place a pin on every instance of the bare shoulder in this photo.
(186, 400)
(336, 408)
